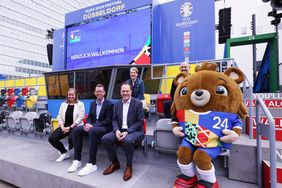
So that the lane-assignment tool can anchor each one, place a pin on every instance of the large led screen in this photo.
(122, 39)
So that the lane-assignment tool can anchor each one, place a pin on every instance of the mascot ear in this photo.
(242, 111)
(180, 78)
(206, 66)
(235, 73)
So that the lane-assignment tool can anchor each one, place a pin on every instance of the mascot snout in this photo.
(200, 97)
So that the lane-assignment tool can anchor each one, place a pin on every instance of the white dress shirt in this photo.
(98, 108)
(125, 107)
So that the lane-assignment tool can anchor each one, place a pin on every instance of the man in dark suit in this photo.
(98, 123)
(184, 68)
(127, 128)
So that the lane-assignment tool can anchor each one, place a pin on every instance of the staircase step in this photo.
(266, 173)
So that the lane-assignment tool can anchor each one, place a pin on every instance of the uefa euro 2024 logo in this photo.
(186, 9)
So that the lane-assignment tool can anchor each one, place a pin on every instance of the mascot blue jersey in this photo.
(205, 129)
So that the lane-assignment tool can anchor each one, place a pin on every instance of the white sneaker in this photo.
(88, 169)
(63, 157)
(75, 165)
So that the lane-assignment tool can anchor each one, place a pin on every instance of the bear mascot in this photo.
(206, 114)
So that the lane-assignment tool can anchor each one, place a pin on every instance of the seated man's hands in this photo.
(121, 135)
(118, 134)
(87, 127)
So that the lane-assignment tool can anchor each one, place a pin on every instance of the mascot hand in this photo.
(230, 136)
(178, 131)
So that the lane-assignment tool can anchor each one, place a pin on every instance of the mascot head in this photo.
(209, 90)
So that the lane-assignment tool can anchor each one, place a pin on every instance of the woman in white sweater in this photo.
(70, 115)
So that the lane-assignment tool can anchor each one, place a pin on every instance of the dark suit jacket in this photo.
(172, 90)
(137, 89)
(135, 116)
(105, 116)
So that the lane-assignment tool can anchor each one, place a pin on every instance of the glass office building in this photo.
(23, 30)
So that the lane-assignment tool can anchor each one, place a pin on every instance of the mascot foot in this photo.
(183, 181)
(205, 184)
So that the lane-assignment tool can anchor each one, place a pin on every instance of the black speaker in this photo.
(50, 53)
(276, 4)
(224, 25)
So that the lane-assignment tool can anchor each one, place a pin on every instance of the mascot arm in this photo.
(176, 129)
(237, 130)
(230, 136)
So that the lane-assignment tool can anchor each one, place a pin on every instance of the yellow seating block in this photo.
(20, 82)
(31, 81)
(147, 99)
(42, 90)
(31, 101)
(54, 124)
(2, 84)
(41, 80)
(10, 83)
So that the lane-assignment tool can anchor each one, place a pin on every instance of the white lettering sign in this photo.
(98, 53)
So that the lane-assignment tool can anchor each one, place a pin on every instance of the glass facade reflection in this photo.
(23, 29)
(58, 84)
(85, 81)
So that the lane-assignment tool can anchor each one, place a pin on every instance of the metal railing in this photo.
(248, 94)
(267, 130)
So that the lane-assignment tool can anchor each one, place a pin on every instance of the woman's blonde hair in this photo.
(76, 95)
